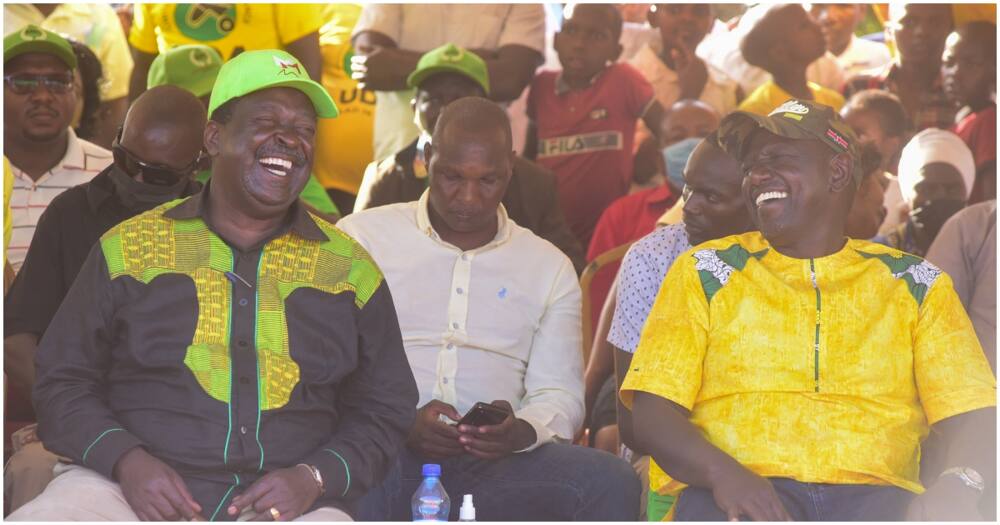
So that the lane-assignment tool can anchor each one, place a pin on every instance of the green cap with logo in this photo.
(33, 39)
(252, 71)
(450, 58)
(795, 119)
(192, 67)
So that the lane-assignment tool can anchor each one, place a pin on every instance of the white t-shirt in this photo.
(862, 55)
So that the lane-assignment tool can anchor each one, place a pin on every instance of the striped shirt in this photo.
(81, 163)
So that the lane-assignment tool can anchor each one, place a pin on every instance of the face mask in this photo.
(136, 195)
(931, 216)
(676, 156)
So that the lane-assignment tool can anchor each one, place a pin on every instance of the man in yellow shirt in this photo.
(228, 28)
(792, 373)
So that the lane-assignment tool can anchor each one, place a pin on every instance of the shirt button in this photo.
(459, 290)
(243, 302)
(445, 380)
(465, 257)
(451, 346)
(243, 429)
(454, 325)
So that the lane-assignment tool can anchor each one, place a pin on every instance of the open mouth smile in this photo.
(768, 196)
(276, 165)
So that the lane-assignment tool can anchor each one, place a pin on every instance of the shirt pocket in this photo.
(322, 335)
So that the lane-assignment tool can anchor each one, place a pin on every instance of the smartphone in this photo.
(483, 414)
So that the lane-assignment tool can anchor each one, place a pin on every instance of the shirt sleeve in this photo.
(114, 54)
(381, 18)
(637, 287)
(950, 368)
(377, 406)
(295, 21)
(668, 361)
(947, 252)
(637, 90)
(38, 289)
(71, 363)
(553, 382)
(524, 26)
(142, 36)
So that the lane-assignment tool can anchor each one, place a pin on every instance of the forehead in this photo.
(713, 167)
(590, 16)
(691, 114)
(907, 12)
(940, 173)
(271, 99)
(35, 63)
(447, 82)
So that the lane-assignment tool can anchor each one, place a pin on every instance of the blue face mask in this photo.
(675, 156)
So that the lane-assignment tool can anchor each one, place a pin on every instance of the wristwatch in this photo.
(969, 476)
(317, 477)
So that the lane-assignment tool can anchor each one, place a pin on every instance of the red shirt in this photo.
(628, 219)
(979, 132)
(586, 138)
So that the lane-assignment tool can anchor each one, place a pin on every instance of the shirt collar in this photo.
(196, 206)
(562, 87)
(75, 158)
(425, 226)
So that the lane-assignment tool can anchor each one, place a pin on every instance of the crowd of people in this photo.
(707, 262)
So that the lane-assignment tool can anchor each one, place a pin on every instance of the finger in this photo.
(483, 445)
(733, 513)
(158, 509)
(448, 444)
(440, 407)
(141, 515)
(779, 510)
(249, 497)
(483, 455)
(444, 430)
(504, 404)
(180, 507)
(185, 495)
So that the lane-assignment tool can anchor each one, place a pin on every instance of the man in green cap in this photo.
(792, 373)
(194, 67)
(230, 355)
(443, 76)
(45, 155)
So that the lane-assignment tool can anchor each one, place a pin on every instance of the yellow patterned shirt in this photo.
(825, 370)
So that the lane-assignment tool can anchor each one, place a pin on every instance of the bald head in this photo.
(688, 118)
(164, 126)
(473, 116)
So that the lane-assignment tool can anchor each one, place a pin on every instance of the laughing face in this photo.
(263, 155)
(786, 186)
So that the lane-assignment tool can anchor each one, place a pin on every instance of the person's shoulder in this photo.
(664, 235)
(72, 202)
(545, 78)
(623, 72)
(94, 156)
(919, 274)
(380, 218)
(740, 246)
(530, 174)
(536, 253)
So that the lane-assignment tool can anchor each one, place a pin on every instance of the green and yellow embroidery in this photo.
(918, 274)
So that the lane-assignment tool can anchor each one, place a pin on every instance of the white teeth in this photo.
(276, 162)
(277, 172)
(769, 195)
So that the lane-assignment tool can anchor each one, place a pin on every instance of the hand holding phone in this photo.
(484, 414)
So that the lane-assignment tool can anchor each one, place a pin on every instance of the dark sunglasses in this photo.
(27, 84)
(152, 174)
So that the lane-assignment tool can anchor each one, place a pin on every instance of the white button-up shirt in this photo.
(29, 199)
(498, 322)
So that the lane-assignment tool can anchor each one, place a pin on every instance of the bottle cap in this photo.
(431, 470)
(467, 512)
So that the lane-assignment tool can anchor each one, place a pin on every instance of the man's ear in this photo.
(428, 153)
(841, 176)
(212, 131)
(651, 16)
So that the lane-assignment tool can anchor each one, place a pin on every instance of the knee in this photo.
(613, 482)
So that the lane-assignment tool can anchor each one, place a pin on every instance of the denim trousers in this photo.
(809, 502)
(554, 482)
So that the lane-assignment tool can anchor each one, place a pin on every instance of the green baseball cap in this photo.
(192, 67)
(795, 119)
(451, 58)
(268, 68)
(33, 39)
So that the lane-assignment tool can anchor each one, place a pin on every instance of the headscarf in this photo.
(927, 147)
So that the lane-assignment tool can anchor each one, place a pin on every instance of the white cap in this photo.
(467, 512)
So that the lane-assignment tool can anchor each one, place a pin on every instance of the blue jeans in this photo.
(809, 502)
(554, 482)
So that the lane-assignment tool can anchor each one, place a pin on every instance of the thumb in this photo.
(185, 493)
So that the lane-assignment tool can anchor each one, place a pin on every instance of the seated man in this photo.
(443, 76)
(498, 319)
(792, 373)
(155, 158)
(229, 355)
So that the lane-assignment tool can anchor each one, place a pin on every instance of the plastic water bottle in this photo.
(430, 502)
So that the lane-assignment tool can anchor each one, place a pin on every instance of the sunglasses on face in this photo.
(158, 175)
(27, 84)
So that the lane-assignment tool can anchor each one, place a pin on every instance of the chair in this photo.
(611, 256)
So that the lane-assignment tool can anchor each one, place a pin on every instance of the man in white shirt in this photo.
(855, 55)
(389, 39)
(45, 155)
(489, 312)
